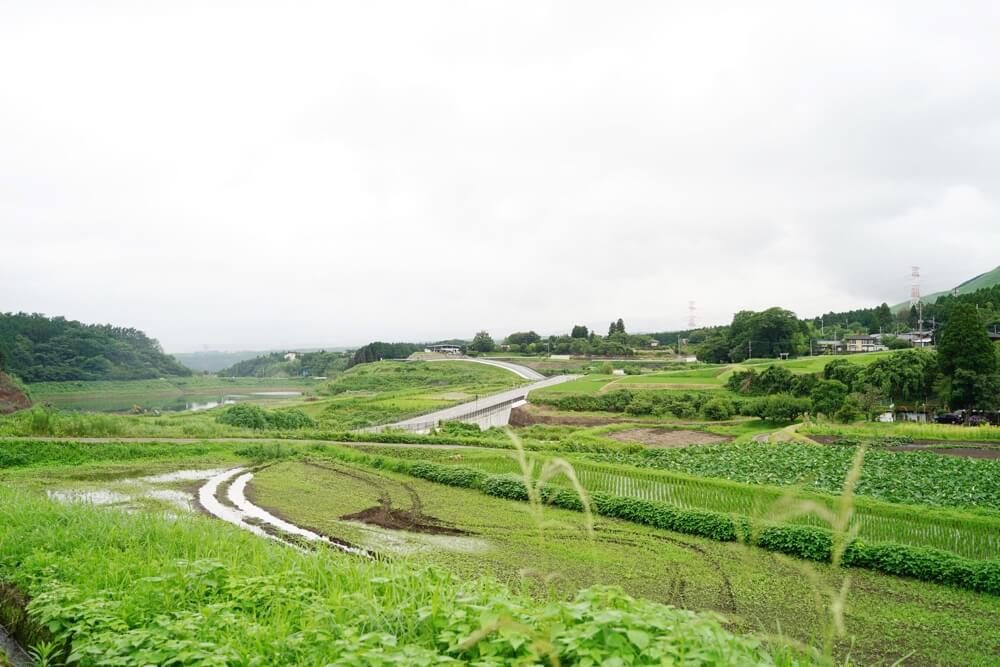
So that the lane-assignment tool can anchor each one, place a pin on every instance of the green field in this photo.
(159, 585)
(753, 589)
(710, 378)
(220, 591)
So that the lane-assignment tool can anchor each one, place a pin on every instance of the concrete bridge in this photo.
(485, 411)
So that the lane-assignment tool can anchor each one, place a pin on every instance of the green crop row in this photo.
(965, 534)
(897, 477)
(809, 542)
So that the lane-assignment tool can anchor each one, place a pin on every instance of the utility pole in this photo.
(749, 349)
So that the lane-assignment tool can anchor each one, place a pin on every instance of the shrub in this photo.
(848, 412)
(780, 408)
(717, 409)
(247, 415)
(244, 415)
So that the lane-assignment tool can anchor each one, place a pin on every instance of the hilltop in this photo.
(982, 281)
(37, 348)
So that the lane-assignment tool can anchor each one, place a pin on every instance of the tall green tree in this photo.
(579, 331)
(523, 338)
(483, 342)
(968, 359)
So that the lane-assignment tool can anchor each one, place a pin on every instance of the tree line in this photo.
(319, 363)
(962, 373)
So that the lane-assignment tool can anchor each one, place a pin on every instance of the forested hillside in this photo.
(37, 348)
(271, 365)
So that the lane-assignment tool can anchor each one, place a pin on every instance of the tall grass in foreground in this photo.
(843, 526)
(112, 588)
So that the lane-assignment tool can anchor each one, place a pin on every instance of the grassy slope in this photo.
(757, 591)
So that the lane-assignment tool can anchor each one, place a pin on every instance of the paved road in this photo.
(480, 407)
(517, 369)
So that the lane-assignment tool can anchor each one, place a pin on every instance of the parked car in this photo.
(958, 417)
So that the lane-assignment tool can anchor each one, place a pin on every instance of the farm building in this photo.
(444, 349)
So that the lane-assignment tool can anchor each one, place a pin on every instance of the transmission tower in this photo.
(691, 320)
(914, 285)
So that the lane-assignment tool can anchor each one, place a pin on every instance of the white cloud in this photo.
(263, 175)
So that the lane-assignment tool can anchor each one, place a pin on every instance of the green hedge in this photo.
(805, 542)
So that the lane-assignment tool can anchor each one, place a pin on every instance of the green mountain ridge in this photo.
(982, 281)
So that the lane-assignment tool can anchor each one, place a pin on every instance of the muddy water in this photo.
(243, 510)
(12, 651)
(128, 493)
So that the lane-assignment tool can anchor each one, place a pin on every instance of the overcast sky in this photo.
(237, 176)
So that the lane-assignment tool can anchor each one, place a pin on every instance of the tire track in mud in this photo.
(384, 514)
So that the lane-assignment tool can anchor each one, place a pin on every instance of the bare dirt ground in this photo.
(666, 438)
(12, 399)
(527, 415)
(625, 384)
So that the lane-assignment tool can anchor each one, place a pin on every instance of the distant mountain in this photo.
(982, 281)
(213, 361)
(37, 348)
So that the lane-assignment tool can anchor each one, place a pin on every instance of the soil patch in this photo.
(385, 516)
(667, 438)
(12, 399)
(527, 415)
(637, 386)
